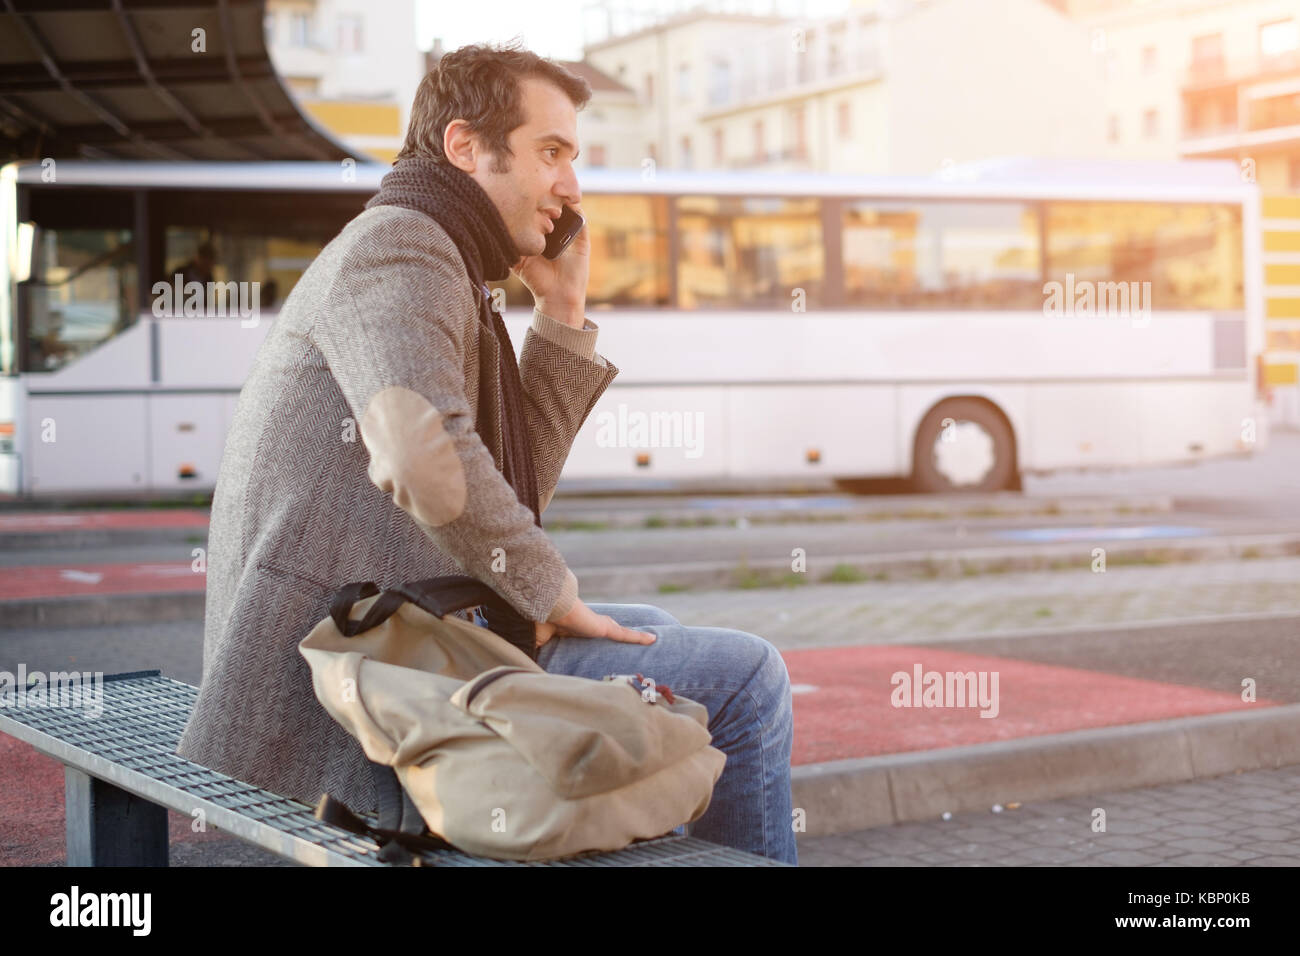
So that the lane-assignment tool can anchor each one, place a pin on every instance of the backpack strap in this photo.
(439, 596)
(401, 832)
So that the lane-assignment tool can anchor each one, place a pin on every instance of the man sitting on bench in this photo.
(390, 338)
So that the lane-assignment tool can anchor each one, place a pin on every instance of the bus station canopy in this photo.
(147, 79)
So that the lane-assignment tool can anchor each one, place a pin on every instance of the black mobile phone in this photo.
(566, 229)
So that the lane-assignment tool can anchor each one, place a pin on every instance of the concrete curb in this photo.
(946, 563)
(847, 795)
(99, 609)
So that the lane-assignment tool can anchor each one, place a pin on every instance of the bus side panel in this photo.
(187, 435)
(818, 431)
(914, 401)
(1184, 421)
(209, 352)
(681, 433)
(92, 443)
(1083, 424)
(12, 412)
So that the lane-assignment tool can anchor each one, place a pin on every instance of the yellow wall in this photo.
(347, 120)
(1281, 223)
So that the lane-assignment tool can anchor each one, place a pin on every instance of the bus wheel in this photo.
(963, 445)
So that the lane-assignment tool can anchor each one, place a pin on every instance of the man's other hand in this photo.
(582, 621)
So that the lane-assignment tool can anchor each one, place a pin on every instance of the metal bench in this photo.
(122, 776)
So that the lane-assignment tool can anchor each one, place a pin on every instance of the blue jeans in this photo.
(742, 682)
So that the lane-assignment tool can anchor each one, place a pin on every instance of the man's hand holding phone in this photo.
(582, 621)
(559, 285)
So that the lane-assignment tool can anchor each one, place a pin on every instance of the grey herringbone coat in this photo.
(365, 447)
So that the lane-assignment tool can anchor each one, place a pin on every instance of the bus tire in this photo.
(964, 446)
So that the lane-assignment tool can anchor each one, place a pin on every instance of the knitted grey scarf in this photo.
(458, 203)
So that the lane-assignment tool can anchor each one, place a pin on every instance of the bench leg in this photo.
(110, 827)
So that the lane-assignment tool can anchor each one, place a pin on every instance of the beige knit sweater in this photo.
(360, 451)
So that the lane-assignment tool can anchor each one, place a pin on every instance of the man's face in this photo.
(541, 177)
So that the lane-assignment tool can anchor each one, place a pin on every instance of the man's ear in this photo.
(460, 145)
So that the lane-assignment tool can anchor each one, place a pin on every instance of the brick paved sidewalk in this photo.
(1245, 819)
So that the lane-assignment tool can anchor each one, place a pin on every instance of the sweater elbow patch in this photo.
(412, 457)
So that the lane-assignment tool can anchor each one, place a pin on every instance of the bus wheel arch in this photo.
(965, 443)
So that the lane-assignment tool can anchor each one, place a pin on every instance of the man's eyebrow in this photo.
(557, 138)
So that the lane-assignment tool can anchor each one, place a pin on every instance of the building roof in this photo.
(135, 80)
(672, 21)
(596, 78)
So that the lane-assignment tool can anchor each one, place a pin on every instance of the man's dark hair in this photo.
(480, 84)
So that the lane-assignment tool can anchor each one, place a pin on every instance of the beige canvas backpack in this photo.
(500, 758)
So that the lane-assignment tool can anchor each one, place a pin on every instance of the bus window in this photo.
(629, 254)
(941, 255)
(275, 263)
(1190, 253)
(83, 288)
(738, 253)
(265, 238)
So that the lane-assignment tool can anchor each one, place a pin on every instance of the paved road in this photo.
(754, 542)
(1264, 485)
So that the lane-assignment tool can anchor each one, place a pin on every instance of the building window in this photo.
(686, 152)
(798, 144)
(1278, 40)
(835, 50)
(776, 64)
(683, 81)
(350, 34)
(804, 58)
(758, 141)
(719, 147)
(649, 88)
(1150, 124)
(299, 29)
(597, 157)
(1148, 59)
(652, 152)
(748, 85)
(1273, 112)
(1112, 133)
(1207, 55)
(720, 83)
(1111, 62)
(844, 119)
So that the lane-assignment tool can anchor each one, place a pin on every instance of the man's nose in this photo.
(567, 188)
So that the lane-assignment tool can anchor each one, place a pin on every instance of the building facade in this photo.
(1201, 79)
(353, 66)
(891, 86)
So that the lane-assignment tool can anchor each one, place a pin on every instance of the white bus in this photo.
(767, 326)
